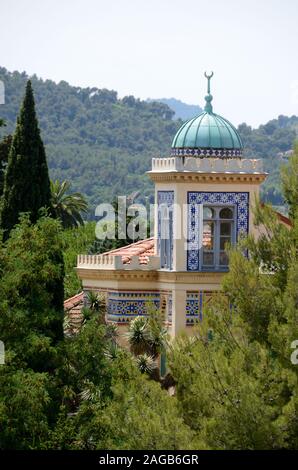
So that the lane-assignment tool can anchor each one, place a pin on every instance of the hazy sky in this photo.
(161, 48)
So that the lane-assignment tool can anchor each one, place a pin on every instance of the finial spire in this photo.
(208, 98)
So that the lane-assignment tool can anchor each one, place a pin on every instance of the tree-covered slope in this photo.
(270, 142)
(104, 144)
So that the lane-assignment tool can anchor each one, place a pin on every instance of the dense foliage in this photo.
(104, 145)
(75, 241)
(80, 392)
(31, 306)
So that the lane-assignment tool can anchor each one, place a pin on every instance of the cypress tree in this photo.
(27, 183)
(4, 152)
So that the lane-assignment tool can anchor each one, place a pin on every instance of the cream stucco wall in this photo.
(177, 281)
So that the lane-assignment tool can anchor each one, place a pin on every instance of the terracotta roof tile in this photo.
(143, 249)
(284, 219)
(281, 217)
(73, 313)
(73, 301)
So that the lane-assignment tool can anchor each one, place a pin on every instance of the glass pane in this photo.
(223, 241)
(223, 259)
(208, 259)
(208, 231)
(226, 213)
(225, 228)
(208, 213)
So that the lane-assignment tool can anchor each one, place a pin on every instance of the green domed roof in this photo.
(208, 130)
(207, 135)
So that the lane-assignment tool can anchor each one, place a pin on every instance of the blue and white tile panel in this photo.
(195, 199)
(124, 306)
(196, 303)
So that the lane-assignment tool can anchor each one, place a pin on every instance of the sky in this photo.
(161, 49)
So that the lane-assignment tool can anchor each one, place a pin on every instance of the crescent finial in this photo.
(208, 78)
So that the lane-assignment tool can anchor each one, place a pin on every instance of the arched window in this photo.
(218, 233)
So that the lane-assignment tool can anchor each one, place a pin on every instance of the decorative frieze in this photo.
(210, 178)
(124, 306)
(206, 152)
(181, 277)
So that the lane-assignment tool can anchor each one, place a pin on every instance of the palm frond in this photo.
(68, 207)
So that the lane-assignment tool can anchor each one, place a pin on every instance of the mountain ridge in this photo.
(182, 110)
(104, 144)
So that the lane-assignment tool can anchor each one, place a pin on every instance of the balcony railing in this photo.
(208, 165)
(113, 262)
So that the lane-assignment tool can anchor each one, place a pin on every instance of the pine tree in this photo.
(27, 183)
(289, 176)
(243, 382)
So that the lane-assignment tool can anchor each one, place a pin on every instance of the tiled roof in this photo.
(72, 302)
(285, 220)
(73, 313)
(143, 249)
(73, 306)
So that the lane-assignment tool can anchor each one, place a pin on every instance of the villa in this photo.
(207, 183)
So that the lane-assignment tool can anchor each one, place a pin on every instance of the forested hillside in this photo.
(104, 144)
(269, 142)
